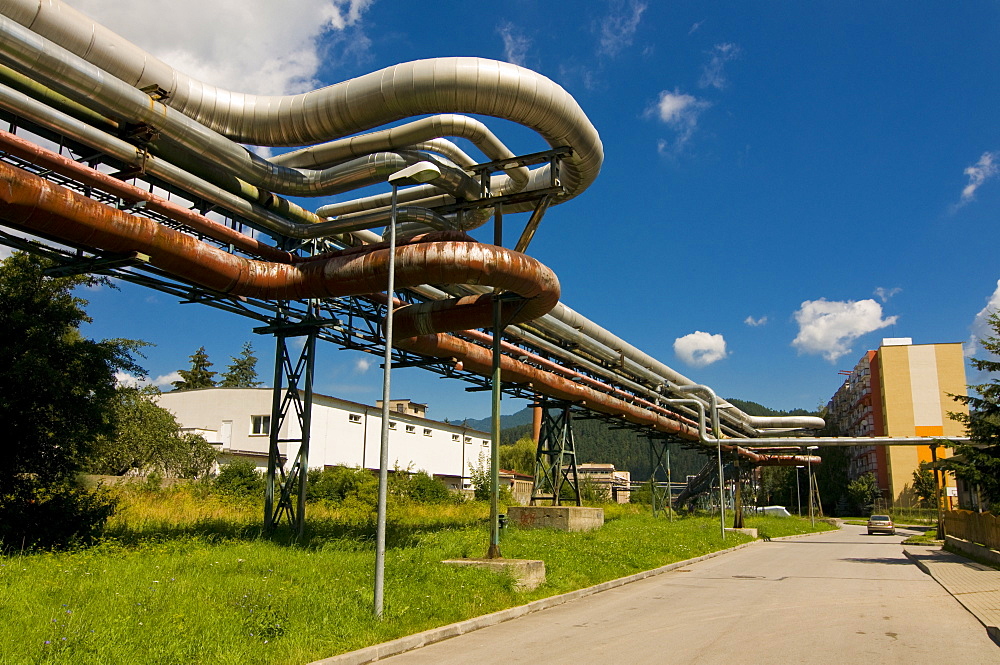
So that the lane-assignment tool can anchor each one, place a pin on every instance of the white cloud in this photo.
(979, 173)
(695, 26)
(362, 365)
(829, 327)
(164, 380)
(700, 349)
(884, 294)
(127, 380)
(753, 323)
(258, 47)
(618, 28)
(680, 112)
(980, 327)
(712, 74)
(515, 44)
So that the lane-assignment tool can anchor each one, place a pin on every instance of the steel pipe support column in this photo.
(555, 459)
(285, 494)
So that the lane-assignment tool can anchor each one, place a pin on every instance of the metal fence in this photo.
(982, 528)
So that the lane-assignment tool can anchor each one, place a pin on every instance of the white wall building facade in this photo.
(343, 433)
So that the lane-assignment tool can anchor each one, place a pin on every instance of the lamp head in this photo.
(415, 173)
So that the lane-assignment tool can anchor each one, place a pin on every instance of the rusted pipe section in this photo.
(477, 359)
(36, 205)
(15, 145)
(578, 377)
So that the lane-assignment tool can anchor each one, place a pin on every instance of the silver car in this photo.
(881, 524)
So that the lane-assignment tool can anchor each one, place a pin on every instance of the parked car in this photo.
(881, 524)
(780, 511)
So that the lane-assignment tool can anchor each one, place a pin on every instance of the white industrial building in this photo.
(343, 433)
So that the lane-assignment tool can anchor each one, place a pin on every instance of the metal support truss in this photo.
(659, 467)
(286, 489)
(555, 459)
(738, 475)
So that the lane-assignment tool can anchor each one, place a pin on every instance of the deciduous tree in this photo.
(57, 390)
(147, 439)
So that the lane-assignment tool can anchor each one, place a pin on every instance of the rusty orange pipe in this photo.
(477, 359)
(15, 145)
(36, 205)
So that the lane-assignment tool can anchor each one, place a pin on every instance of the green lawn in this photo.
(210, 591)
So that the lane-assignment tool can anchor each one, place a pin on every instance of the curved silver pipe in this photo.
(88, 85)
(312, 226)
(402, 136)
(454, 85)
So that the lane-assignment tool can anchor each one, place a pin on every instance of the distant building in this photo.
(238, 422)
(900, 389)
(519, 484)
(614, 484)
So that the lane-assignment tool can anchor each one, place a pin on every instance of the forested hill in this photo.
(596, 441)
(755, 409)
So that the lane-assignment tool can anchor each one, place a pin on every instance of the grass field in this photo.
(186, 577)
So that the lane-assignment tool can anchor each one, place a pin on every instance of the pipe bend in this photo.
(422, 87)
(39, 206)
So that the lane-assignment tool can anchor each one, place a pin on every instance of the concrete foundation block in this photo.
(562, 518)
(747, 531)
(528, 574)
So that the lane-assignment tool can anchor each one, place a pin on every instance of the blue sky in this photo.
(784, 183)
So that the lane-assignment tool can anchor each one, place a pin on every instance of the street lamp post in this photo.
(415, 173)
(812, 517)
(798, 491)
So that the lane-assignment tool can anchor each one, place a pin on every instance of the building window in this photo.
(455, 437)
(392, 424)
(354, 417)
(401, 408)
(468, 439)
(485, 443)
(428, 431)
(260, 425)
(410, 429)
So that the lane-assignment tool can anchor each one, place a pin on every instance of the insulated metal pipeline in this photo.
(131, 194)
(451, 85)
(102, 71)
(33, 204)
(477, 359)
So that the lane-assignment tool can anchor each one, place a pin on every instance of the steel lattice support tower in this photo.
(555, 459)
(285, 495)
(659, 465)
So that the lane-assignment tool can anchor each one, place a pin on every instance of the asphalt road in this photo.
(838, 597)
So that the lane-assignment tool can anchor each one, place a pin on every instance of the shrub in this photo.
(240, 478)
(421, 487)
(37, 517)
(336, 484)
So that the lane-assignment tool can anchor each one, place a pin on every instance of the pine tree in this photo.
(242, 372)
(979, 464)
(198, 376)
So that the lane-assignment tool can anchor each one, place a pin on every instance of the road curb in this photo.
(379, 651)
